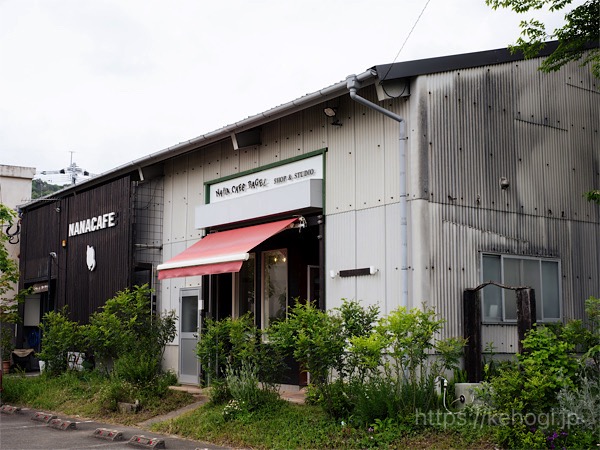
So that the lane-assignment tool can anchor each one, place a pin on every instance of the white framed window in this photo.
(542, 274)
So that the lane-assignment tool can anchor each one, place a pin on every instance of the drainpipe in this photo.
(353, 85)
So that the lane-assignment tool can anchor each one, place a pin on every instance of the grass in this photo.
(284, 425)
(85, 395)
(277, 425)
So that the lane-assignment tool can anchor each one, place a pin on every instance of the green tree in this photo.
(582, 27)
(40, 188)
(9, 276)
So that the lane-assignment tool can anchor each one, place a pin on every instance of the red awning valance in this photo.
(221, 252)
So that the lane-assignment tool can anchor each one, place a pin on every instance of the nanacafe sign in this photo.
(264, 180)
(100, 222)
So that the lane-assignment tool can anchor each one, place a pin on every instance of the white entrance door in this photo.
(189, 307)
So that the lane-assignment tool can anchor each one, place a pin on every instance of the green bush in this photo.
(123, 331)
(60, 335)
(234, 358)
(314, 337)
(374, 399)
(243, 384)
(416, 357)
(233, 342)
(125, 325)
(114, 391)
(139, 369)
(556, 376)
(547, 364)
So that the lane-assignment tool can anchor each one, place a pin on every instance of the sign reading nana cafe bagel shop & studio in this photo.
(95, 223)
(275, 177)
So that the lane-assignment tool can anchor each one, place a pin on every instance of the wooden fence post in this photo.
(526, 313)
(472, 332)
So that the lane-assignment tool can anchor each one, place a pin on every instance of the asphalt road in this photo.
(20, 431)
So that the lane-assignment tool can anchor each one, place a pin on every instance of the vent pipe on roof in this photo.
(353, 85)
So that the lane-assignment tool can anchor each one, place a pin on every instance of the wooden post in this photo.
(526, 313)
(472, 332)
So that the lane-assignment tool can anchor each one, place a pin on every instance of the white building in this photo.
(15, 189)
(434, 176)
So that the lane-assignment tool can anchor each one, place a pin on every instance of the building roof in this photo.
(454, 62)
(383, 72)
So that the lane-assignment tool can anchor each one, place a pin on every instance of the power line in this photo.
(407, 37)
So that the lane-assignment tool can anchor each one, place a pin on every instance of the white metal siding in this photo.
(370, 155)
(291, 136)
(340, 254)
(392, 259)
(371, 248)
(314, 132)
(341, 162)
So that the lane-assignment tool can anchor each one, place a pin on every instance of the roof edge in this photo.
(455, 62)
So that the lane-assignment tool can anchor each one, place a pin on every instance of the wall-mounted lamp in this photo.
(330, 111)
(504, 183)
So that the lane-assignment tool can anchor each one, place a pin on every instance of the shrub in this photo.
(549, 373)
(126, 331)
(375, 399)
(532, 384)
(410, 336)
(234, 358)
(115, 390)
(244, 387)
(228, 343)
(314, 337)
(139, 369)
(59, 336)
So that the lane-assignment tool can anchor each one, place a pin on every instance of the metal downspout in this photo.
(353, 85)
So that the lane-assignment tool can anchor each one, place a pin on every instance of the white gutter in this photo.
(353, 84)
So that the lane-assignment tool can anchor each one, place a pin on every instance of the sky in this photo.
(106, 82)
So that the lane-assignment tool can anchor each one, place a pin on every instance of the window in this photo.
(275, 280)
(543, 275)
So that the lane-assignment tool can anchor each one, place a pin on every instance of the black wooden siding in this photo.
(82, 290)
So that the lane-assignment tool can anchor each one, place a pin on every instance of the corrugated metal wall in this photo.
(535, 130)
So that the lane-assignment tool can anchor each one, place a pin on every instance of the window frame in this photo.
(539, 295)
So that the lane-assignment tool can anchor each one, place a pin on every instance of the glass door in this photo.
(189, 306)
(275, 286)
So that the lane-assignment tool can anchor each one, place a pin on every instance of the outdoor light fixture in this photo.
(330, 112)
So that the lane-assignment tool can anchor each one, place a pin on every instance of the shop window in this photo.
(274, 286)
(543, 275)
(246, 300)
